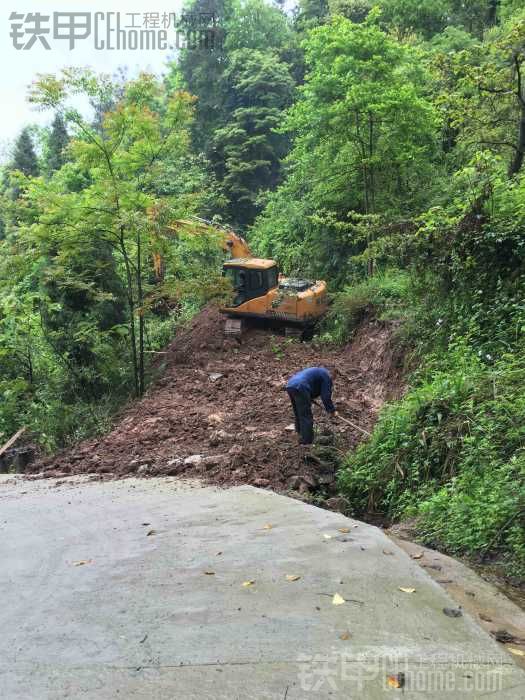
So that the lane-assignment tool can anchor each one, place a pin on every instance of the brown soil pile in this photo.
(220, 413)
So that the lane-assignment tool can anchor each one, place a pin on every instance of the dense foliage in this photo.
(379, 144)
(81, 304)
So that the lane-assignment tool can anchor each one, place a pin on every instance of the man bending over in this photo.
(303, 388)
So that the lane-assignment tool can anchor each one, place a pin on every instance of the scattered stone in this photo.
(325, 440)
(143, 469)
(294, 482)
(310, 480)
(452, 612)
(338, 503)
(194, 461)
(326, 479)
(505, 637)
(176, 467)
(214, 418)
(218, 436)
(214, 376)
(290, 428)
(221, 460)
(261, 483)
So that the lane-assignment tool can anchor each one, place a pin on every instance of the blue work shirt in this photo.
(315, 381)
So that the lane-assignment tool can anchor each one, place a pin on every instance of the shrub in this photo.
(384, 295)
(452, 452)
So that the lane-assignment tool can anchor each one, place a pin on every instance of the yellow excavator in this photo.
(260, 292)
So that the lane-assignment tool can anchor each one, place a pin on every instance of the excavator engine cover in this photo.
(293, 285)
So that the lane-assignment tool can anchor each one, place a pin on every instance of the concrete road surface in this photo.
(153, 589)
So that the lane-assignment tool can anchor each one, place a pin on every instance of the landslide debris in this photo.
(219, 411)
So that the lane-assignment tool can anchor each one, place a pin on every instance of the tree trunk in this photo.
(140, 302)
(492, 14)
(517, 160)
(131, 310)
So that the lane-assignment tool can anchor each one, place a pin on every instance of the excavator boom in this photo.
(231, 242)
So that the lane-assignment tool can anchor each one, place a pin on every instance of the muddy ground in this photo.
(219, 411)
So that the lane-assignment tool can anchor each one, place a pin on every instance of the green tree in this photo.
(141, 137)
(365, 143)
(200, 67)
(247, 150)
(424, 17)
(24, 157)
(55, 156)
(354, 10)
(473, 15)
(311, 13)
(362, 118)
(485, 95)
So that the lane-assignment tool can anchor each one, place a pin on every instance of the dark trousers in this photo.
(304, 420)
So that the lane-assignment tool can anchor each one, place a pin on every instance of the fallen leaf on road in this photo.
(338, 599)
(485, 618)
(292, 577)
(344, 530)
(419, 555)
(344, 636)
(407, 590)
(245, 584)
(452, 612)
(516, 652)
(218, 554)
(388, 552)
(149, 533)
(209, 573)
(268, 526)
(397, 681)
(82, 562)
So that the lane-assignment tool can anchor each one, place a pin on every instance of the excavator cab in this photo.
(251, 278)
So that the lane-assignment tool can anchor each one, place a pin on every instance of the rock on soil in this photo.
(219, 411)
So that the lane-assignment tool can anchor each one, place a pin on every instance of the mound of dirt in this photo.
(220, 412)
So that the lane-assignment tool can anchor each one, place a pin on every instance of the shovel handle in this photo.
(348, 422)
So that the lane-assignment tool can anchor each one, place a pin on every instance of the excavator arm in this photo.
(231, 242)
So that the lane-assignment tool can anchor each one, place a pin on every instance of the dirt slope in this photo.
(233, 426)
